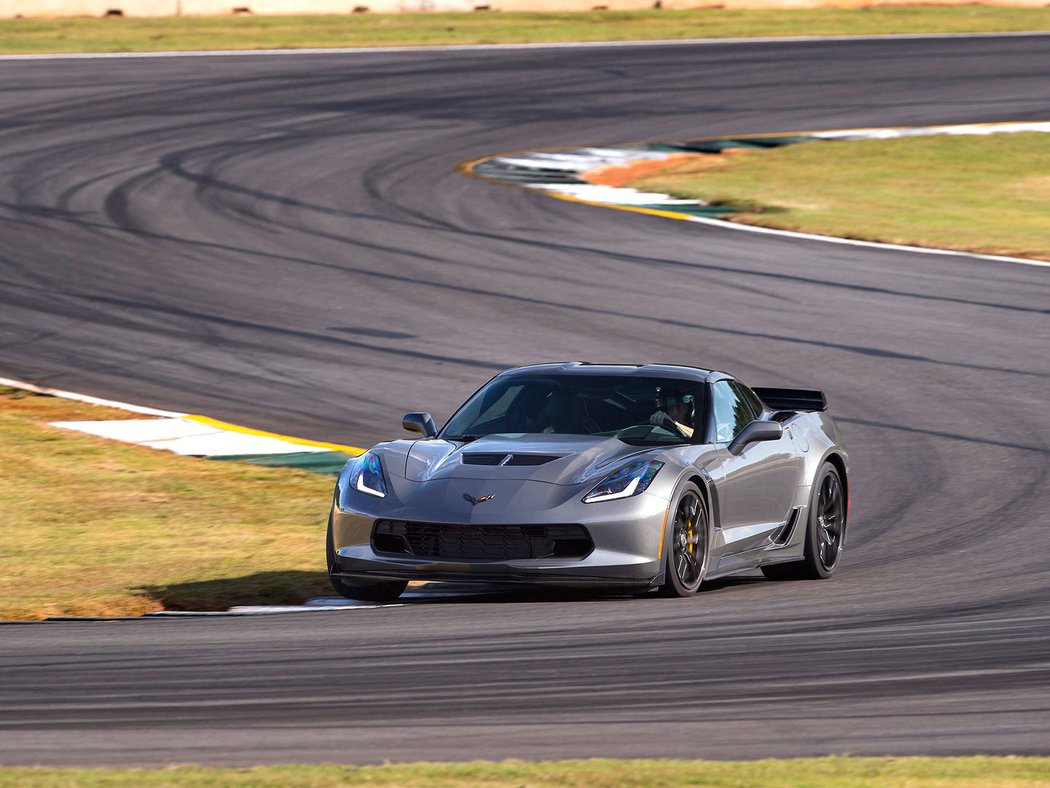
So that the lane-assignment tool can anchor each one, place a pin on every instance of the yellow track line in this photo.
(630, 208)
(225, 425)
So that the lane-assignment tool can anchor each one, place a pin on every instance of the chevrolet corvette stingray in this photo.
(639, 477)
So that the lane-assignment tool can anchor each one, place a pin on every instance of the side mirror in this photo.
(423, 423)
(754, 432)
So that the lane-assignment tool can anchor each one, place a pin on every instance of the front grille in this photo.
(480, 542)
(504, 458)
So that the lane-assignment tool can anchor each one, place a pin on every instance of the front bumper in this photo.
(627, 539)
(491, 573)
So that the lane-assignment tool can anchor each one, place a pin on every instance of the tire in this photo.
(364, 590)
(688, 543)
(825, 529)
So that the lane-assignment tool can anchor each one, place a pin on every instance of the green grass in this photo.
(984, 194)
(96, 527)
(275, 32)
(839, 772)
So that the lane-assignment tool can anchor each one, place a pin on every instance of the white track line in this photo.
(186, 437)
(512, 47)
(21, 384)
(264, 610)
(964, 129)
(831, 239)
(181, 433)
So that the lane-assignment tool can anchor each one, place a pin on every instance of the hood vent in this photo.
(531, 459)
(503, 458)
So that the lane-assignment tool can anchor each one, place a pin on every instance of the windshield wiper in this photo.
(464, 438)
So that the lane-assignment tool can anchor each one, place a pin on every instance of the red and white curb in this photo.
(563, 173)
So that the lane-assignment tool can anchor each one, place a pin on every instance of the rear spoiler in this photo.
(792, 399)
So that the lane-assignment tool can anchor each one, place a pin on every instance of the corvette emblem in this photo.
(475, 501)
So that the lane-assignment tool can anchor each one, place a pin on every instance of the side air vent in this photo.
(783, 534)
(484, 458)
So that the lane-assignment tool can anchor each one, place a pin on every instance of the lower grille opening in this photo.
(390, 543)
(480, 542)
(567, 548)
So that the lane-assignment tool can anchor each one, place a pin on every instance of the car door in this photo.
(759, 482)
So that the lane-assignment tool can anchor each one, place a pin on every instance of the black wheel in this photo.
(363, 590)
(686, 562)
(825, 531)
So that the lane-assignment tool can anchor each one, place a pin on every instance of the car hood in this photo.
(554, 459)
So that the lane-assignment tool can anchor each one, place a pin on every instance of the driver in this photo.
(673, 412)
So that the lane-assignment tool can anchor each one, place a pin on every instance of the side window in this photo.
(732, 413)
(751, 397)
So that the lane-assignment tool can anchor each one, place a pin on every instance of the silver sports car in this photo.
(646, 476)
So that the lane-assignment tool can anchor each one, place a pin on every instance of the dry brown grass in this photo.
(836, 772)
(96, 527)
(254, 32)
(971, 193)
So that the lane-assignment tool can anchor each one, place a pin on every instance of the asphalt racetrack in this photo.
(284, 242)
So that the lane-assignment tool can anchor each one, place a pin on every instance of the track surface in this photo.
(283, 242)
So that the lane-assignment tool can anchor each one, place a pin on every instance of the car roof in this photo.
(629, 370)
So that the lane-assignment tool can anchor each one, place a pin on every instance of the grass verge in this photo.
(982, 194)
(279, 32)
(95, 527)
(840, 772)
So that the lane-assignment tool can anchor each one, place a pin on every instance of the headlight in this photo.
(367, 476)
(632, 479)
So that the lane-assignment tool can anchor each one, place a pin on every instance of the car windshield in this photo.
(640, 411)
